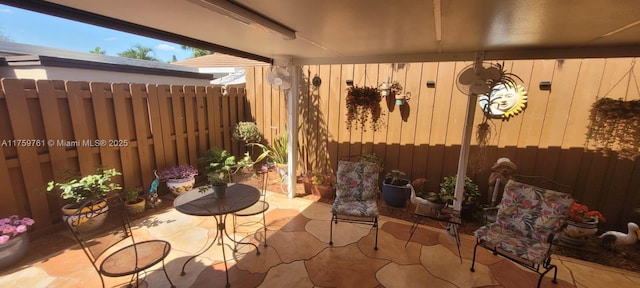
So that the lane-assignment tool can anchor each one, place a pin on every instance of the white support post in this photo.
(466, 142)
(292, 120)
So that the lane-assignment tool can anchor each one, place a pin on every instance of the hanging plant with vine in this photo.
(614, 124)
(363, 106)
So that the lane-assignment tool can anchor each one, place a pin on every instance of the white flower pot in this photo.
(179, 186)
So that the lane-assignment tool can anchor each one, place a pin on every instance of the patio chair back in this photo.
(107, 240)
(357, 181)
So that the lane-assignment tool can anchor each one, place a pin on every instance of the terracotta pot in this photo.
(12, 251)
(135, 208)
(324, 191)
(179, 186)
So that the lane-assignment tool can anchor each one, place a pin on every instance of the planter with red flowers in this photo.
(581, 223)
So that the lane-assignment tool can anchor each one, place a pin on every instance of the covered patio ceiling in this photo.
(365, 31)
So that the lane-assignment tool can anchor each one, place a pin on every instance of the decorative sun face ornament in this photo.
(503, 102)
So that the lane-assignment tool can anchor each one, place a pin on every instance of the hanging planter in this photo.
(363, 105)
(615, 125)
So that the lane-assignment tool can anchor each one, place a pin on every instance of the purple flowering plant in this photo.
(13, 226)
(178, 172)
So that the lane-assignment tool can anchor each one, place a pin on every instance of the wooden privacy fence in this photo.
(423, 137)
(49, 127)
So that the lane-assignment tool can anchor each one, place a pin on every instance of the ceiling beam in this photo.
(542, 53)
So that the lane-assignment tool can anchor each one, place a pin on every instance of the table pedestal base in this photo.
(222, 232)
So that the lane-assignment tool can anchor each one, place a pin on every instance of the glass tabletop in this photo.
(237, 197)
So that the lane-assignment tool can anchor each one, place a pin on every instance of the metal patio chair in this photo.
(110, 245)
(356, 196)
(526, 221)
(260, 207)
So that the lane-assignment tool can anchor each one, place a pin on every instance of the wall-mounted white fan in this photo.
(479, 81)
(280, 78)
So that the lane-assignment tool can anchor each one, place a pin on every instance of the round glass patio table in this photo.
(237, 197)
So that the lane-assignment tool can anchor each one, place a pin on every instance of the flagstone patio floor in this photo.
(298, 255)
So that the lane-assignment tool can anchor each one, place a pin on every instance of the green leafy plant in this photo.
(247, 132)
(276, 152)
(320, 178)
(373, 159)
(363, 103)
(90, 187)
(131, 195)
(396, 177)
(217, 160)
(471, 200)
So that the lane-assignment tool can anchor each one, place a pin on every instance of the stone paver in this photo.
(298, 255)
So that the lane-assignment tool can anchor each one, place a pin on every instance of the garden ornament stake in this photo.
(153, 200)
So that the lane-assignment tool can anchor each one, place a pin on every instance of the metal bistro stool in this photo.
(447, 215)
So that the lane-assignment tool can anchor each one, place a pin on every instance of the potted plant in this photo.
(133, 203)
(179, 178)
(217, 181)
(247, 132)
(582, 222)
(615, 123)
(436, 201)
(14, 240)
(90, 192)
(363, 105)
(395, 189)
(320, 184)
(471, 202)
(276, 154)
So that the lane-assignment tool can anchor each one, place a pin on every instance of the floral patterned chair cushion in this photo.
(356, 189)
(527, 215)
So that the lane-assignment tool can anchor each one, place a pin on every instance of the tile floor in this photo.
(298, 255)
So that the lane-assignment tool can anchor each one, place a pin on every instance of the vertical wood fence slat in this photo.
(53, 127)
(226, 125)
(110, 158)
(8, 201)
(213, 110)
(178, 103)
(190, 113)
(154, 107)
(201, 120)
(141, 118)
(75, 95)
(123, 118)
(23, 129)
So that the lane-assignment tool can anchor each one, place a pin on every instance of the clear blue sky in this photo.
(23, 26)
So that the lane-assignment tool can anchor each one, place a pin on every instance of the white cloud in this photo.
(6, 11)
(110, 39)
(165, 47)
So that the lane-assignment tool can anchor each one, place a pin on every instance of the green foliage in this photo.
(247, 132)
(471, 200)
(373, 159)
(397, 177)
(90, 187)
(217, 179)
(130, 195)
(277, 152)
(98, 50)
(139, 52)
(196, 52)
(217, 160)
